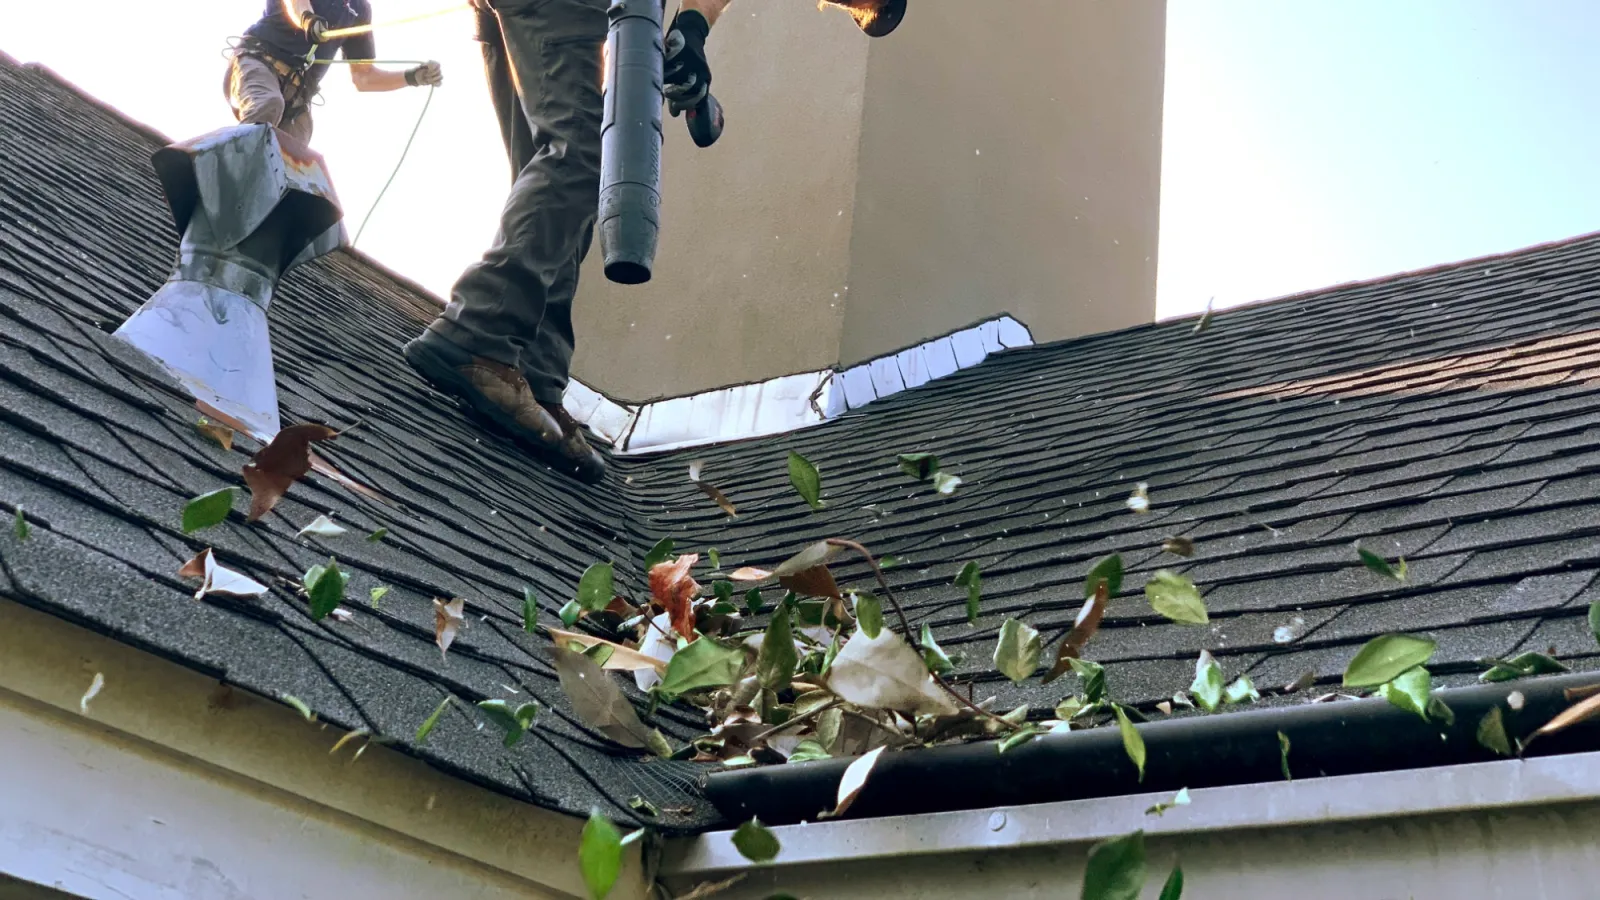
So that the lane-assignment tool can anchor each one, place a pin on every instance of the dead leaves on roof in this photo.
(711, 490)
(221, 434)
(621, 659)
(448, 620)
(597, 699)
(281, 463)
(215, 579)
(674, 591)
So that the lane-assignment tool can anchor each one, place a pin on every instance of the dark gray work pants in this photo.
(515, 305)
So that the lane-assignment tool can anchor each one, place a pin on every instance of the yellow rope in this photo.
(338, 33)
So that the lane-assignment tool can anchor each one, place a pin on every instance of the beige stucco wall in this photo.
(985, 158)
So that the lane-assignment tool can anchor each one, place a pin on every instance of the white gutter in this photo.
(1472, 787)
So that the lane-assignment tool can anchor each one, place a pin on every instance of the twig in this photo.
(797, 720)
(905, 625)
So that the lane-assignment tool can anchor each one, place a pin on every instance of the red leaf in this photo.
(280, 464)
(674, 591)
(1083, 629)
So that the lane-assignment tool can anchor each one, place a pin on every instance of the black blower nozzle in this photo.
(630, 141)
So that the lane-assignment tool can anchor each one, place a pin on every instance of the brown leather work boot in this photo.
(588, 465)
(876, 18)
(500, 395)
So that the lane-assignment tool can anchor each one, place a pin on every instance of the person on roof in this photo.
(504, 343)
(273, 74)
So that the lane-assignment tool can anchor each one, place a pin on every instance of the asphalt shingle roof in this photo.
(1451, 416)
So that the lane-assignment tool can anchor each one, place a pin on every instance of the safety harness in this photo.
(291, 76)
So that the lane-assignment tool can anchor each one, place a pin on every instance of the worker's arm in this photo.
(369, 78)
(297, 10)
(711, 9)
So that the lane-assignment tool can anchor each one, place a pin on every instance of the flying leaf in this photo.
(530, 611)
(658, 554)
(1207, 687)
(299, 706)
(752, 601)
(945, 483)
(806, 573)
(1084, 628)
(95, 684)
(885, 673)
(20, 526)
(595, 588)
(377, 536)
(1383, 567)
(1438, 711)
(1108, 572)
(807, 751)
(376, 594)
(1139, 500)
(570, 613)
(1569, 717)
(1176, 597)
(1132, 741)
(921, 466)
(1016, 654)
(207, 510)
(219, 580)
(776, 663)
(597, 699)
(748, 574)
(1200, 326)
(322, 526)
(641, 805)
(1283, 755)
(1385, 658)
(1241, 690)
(806, 480)
(222, 434)
(674, 591)
(621, 659)
(448, 618)
(716, 559)
(1173, 889)
(280, 464)
(1178, 546)
(703, 663)
(933, 656)
(1522, 666)
(1116, 869)
(1094, 678)
(1019, 737)
(432, 721)
(1594, 607)
(325, 588)
(851, 785)
(1409, 691)
(349, 736)
(1160, 809)
(869, 614)
(600, 856)
(514, 721)
(710, 490)
(971, 578)
(1492, 732)
(756, 842)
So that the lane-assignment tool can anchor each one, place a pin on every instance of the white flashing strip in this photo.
(1319, 801)
(787, 403)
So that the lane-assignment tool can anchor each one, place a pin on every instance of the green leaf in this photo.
(945, 483)
(1173, 889)
(1108, 570)
(869, 615)
(377, 536)
(1176, 597)
(658, 554)
(376, 594)
(325, 588)
(933, 656)
(600, 653)
(1019, 737)
(432, 721)
(1283, 755)
(595, 588)
(921, 466)
(299, 706)
(1522, 666)
(756, 842)
(1179, 799)
(1016, 655)
(1594, 609)
(807, 751)
(514, 721)
(20, 526)
(1132, 741)
(776, 663)
(889, 562)
(1378, 564)
(1116, 869)
(530, 611)
(703, 663)
(640, 805)
(752, 601)
(716, 559)
(1094, 679)
(207, 510)
(1385, 658)
(1207, 687)
(971, 578)
(806, 480)
(1440, 712)
(600, 856)
(1492, 732)
(1409, 691)
(1241, 691)
(570, 613)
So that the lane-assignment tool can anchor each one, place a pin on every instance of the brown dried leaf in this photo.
(597, 699)
(1306, 680)
(622, 659)
(1572, 715)
(448, 619)
(218, 579)
(749, 574)
(217, 415)
(1088, 622)
(818, 554)
(1574, 694)
(280, 464)
(1179, 546)
(326, 469)
(674, 591)
(222, 434)
(717, 497)
(813, 582)
(195, 568)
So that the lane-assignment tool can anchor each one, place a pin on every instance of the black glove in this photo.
(314, 27)
(687, 75)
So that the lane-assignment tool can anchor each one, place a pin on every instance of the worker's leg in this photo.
(299, 127)
(514, 129)
(255, 92)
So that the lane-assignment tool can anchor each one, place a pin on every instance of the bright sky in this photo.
(1307, 142)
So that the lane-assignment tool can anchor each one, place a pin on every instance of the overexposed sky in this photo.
(1307, 142)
